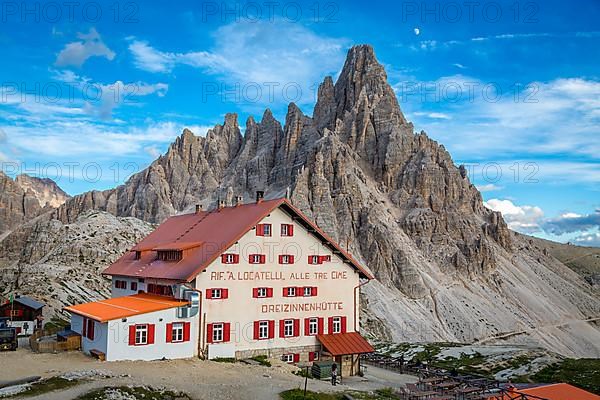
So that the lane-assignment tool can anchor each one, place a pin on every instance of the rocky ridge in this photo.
(447, 268)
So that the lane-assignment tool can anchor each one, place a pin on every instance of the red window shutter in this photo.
(321, 259)
(299, 291)
(150, 333)
(285, 292)
(209, 333)
(224, 258)
(263, 258)
(306, 326)
(255, 292)
(169, 337)
(297, 357)
(330, 326)
(186, 331)
(270, 292)
(224, 293)
(256, 328)
(84, 328)
(296, 327)
(344, 324)
(271, 329)
(132, 335)
(291, 259)
(209, 293)
(236, 258)
(260, 230)
(310, 259)
(226, 332)
(321, 328)
(313, 291)
(91, 329)
(281, 328)
(290, 230)
(281, 259)
(311, 356)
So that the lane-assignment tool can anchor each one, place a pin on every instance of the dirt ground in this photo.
(198, 378)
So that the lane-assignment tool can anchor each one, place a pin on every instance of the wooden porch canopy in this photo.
(339, 344)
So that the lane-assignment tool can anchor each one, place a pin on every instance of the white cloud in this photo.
(77, 53)
(490, 187)
(572, 222)
(458, 65)
(433, 115)
(591, 239)
(247, 52)
(525, 219)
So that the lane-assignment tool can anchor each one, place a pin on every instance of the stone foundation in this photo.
(278, 352)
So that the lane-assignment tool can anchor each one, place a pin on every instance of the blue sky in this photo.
(93, 93)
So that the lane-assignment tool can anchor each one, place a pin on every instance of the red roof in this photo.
(126, 306)
(558, 391)
(213, 232)
(339, 344)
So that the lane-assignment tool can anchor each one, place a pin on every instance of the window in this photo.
(88, 329)
(261, 292)
(230, 258)
(266, 229)
(314, 260)
(287, 230)
(289, 291)
(120, 284)
(217, 294)
(134, 286)
(161, 290)
(170, 255)
(288, 358)
(286, 259)
(256, 258)
(263, 230)
(177, 332)
(337, 325)
(313, 356)
(313, 326)
(217, 333)
(307, 291)
(141, 334)
(263, 330)
(288, 327)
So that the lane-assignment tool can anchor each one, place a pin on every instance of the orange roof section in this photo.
(339, 344)
(126, 306)
(216, 230)
(560, 391)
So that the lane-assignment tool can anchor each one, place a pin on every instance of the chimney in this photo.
(260, 195)
(221, 204)
(198, 208)
(239, 200)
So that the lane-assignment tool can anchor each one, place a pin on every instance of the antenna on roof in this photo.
(287, 193)
(260, 195)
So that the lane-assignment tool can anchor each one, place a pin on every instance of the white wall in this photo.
(100, 334)
(241, 309)
(112, 338)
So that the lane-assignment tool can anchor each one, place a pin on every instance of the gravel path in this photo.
(200, 379)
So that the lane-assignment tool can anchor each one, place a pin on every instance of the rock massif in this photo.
(447, 268)
(26, 197)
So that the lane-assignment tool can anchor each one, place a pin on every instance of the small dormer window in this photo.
(169, 255)
(138, 254)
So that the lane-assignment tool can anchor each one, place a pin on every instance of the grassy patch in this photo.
(583, 372)
(138, 392)
(298, 394)
(224, 359)
(262, 360)
(45, 386)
